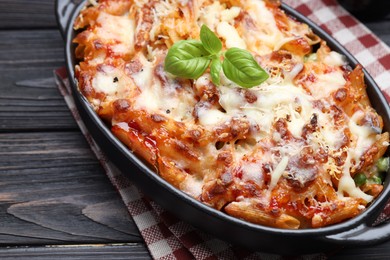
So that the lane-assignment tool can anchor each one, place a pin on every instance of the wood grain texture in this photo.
(77, 252)
(377, 252)
(53, 191)
(27, 14)
(29, 98)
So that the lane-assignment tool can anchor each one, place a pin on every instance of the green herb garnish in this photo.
(360, 179)
(383, 164)
(190, 59)
(374, 180)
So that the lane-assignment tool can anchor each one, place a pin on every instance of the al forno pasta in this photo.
(302, 149)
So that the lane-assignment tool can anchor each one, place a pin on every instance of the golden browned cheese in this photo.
(281, 154)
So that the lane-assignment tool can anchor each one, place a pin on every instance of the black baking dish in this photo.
(352, 233)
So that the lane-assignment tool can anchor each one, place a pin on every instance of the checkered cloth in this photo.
(170, 238)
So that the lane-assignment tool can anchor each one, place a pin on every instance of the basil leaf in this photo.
(187, 59)
(240, 67)
(215, 71)
(210, 41)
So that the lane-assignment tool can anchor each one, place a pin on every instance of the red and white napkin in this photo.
(170, 238)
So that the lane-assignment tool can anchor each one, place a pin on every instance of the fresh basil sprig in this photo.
(190, 59)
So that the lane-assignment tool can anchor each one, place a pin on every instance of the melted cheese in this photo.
(104, 83)
(120, 28)
(335, 59)
(192, 186)
(157, 96)
(281, 99)
(210, 15)
(333, 81)
(273, 102)
(347, 184)
(268, 35)
(252, 172)
(213, 14)
(221, 19)
(365, 135)
(274, 124)
(277, 172)
(231, 36)
(211, 117)
(228, 15)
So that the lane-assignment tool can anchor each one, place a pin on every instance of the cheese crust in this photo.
(281, 154)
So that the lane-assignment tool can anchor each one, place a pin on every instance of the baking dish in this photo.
(355, 232)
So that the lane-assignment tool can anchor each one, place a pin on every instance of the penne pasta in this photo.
(297, 149)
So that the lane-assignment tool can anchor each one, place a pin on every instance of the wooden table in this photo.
(55, 199)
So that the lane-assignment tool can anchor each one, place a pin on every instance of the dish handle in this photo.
(64, 10)
(363, 235)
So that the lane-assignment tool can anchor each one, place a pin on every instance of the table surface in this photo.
(55, 199)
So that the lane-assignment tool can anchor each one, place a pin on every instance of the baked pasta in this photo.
(289, 153)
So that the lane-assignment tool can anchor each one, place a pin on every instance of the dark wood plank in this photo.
(53, 191)
(29, 98)
(381, 251)
(27, 14)
(82, 252)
